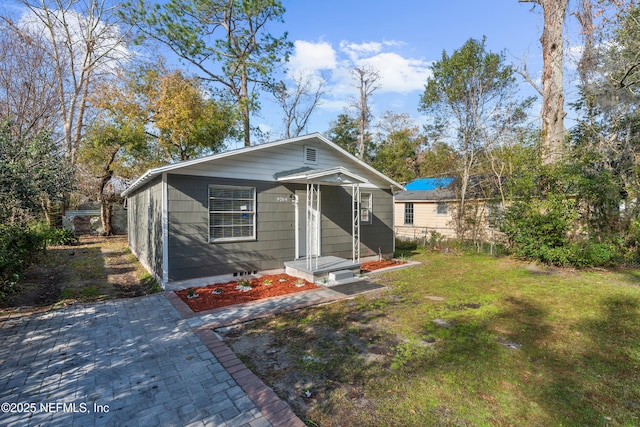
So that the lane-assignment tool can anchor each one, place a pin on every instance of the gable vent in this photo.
(311, 155)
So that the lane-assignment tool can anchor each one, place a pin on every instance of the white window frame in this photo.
(252, 212)
(366, 210)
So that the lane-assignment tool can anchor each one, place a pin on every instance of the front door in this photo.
(307, 225)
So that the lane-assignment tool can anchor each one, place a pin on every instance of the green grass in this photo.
(516, 348)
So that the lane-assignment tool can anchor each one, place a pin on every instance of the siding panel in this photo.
(191, 255)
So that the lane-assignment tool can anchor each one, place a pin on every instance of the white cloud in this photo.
(399, 74)
(312, 57)
(335, 105)
(394, 43)
(573, 54)
(356, 51)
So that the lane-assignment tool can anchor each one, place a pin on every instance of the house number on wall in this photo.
(282, 199)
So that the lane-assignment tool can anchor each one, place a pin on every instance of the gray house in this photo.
(256, 208)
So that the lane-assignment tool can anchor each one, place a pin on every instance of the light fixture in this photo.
(339, 176)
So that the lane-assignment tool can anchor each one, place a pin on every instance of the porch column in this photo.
(313, 225)
(355, 224)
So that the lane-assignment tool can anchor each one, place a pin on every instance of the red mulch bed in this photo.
(377, 265)
(281, 284)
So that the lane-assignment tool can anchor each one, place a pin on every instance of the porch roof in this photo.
(333, 176)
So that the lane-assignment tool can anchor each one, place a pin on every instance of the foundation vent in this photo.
(244, 273)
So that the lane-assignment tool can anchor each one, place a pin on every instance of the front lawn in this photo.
(460, 340)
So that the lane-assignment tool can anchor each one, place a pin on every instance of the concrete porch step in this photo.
(336, 276)
(320, 270)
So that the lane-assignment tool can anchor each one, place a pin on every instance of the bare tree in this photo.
(27, 94)
(367, 82)
(584, 15)
(299, 101)
(552, 87)
(83, 41)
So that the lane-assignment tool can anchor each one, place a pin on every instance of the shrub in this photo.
(60, 236)
(54, 235)
(406, 244)
(539, 229)
(18, 248)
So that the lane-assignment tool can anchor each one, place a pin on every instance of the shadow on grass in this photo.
(633, 276)
(584, 383)
(58, 273)
(503, 361)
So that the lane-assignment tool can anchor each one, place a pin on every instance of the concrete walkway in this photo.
(134, 362)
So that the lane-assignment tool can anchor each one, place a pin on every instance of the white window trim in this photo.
(368, 208)
(254, 212)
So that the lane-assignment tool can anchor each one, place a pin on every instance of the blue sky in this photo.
(400, 39)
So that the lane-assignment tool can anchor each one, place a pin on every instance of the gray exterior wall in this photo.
(191, 255)
(337, 223)
(144, 212)
(378, 236)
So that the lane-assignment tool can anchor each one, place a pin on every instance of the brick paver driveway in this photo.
(125, 362)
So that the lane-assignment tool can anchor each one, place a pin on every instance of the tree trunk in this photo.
(244, 105)
(553, 113)
(106, 210)
(364, 115)
(106, 207)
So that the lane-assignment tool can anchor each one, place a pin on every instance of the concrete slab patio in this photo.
(133, 362)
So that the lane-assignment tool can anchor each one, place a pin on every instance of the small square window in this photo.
(442, 209)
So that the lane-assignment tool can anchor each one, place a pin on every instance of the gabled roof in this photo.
(315, 137)
(333, 176)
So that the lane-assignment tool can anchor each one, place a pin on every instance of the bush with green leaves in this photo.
(33, 172)
(18, 248)
(540, 230)
(406, 244)
(60, 236)
(536, 227)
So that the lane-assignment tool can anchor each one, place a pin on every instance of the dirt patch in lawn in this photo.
(94, 268)
(319, 356)
(241, 291)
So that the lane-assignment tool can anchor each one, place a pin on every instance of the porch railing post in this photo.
(313, 225)
(355, 224)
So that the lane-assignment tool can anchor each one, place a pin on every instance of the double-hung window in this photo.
(366, 208)
(232, 213)
(408, 213)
